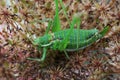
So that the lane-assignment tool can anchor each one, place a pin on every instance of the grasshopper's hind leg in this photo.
(43, 56)
(66, 54)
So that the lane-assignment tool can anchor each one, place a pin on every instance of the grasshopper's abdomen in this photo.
(77, 39)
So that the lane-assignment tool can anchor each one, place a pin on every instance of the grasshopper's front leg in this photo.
(43, 56)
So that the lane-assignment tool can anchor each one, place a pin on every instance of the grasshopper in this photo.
(68, 39)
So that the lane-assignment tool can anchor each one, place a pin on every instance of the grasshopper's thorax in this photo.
(45, 40)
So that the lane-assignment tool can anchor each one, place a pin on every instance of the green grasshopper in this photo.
(68, 39)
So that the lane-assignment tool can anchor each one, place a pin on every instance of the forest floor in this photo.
(100, 61)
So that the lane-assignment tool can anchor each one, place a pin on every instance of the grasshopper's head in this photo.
(41, 41)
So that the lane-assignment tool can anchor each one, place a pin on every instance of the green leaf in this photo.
(56, 22)
(75, 20)
(48, 28)
(78, 22)
(64, 9)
